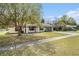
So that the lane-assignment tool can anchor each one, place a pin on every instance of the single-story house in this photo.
(70, 27)
(33, 28)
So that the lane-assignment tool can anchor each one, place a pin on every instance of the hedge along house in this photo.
(33, 28)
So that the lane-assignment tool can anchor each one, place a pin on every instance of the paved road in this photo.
(39, 41)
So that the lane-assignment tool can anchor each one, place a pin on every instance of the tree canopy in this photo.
(19, 14)
(65, 20)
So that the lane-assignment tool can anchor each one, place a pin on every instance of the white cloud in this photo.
(74, 13)
(49, 17)
(59, 16)
(71, 13)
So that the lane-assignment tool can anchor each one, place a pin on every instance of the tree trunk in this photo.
(19, 30)
(25, 28)
(16, 27)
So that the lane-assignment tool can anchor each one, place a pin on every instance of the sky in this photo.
(53, 10)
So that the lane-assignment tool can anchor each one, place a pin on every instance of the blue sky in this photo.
(51, 10)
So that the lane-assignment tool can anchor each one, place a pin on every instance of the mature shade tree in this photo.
(18, 15)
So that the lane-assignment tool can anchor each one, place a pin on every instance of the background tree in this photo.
(62, 22)
(71, 21)
(42, 21)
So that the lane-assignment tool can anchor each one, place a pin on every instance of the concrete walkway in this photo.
(70, 33)
(39, 41)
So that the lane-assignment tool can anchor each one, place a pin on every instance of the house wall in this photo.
(11, 30)
(37, 29)
(52, 29)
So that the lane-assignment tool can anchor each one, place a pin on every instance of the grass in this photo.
(64, 47)
(3, 33)
(77, 31)
(10, 39)
(68, 46)
(43, 49)
(49, 34)
(36, 50)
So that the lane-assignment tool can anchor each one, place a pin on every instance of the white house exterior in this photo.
(33, 28)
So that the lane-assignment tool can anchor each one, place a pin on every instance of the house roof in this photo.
(46, 25)
(70, 26)
(31, 24)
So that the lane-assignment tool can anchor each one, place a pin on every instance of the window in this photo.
(32, 28)
(41, 28)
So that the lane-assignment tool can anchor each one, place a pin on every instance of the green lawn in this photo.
(43, 49)
(49, 34)
(9, 39)
(67, 47)
(36, 50)
(77, 31)
(3, 33)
